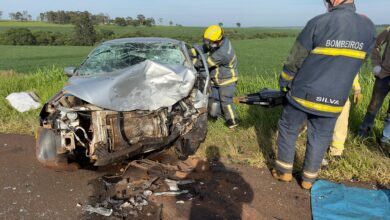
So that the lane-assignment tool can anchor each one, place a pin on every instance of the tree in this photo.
(171, 23)
(25, 16)
(1, 14)
(220, 24)
(161, 21)
(106, 19)
(84, 31)
(130, 21)
(104, 34)
(99, 18)
(238, 24)
(18, 36)
(42, 17)
(120, 21)
(149, 22)
(141, 19)
(12, 16)
(18, 16)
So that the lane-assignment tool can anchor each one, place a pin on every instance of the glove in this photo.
(358, 97)
(377, 70)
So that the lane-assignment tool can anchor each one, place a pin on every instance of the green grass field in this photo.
(26, 59)
(253, 142)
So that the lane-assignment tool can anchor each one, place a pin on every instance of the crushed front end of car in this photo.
(146, 106)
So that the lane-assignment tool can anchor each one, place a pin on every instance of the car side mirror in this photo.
(70, 71)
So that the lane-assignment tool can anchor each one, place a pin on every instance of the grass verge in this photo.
(252, 143)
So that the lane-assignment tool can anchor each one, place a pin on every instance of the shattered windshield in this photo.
(114, 57)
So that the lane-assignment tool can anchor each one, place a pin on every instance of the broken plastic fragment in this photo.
(147, 193)
(125, 205)
(170, 193)
(98, 210)
(185, 182)
(23, 101)
(172, 185)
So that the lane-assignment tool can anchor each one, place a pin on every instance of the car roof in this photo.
(143, 40)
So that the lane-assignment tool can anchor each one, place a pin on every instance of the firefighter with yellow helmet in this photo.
(222, 63)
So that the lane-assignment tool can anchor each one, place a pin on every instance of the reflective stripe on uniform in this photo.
(338, 144)
(286, 76)
(356, 83)
(194, 56)
(212, 64)
(319, 107)
(310, 175)
(232, 70)
(340, 52)
(193, 51)
(284, 165)
(227, 82)
(231, 113)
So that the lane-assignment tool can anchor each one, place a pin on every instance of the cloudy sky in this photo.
(203, 12)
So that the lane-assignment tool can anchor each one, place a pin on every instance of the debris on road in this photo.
(23, 101)
(171, 193)
(98, 210)
(174, 185)
(148, 193)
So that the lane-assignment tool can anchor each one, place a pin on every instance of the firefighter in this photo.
(222, 62)
(341, 130)
(317, 78)
(382, 85)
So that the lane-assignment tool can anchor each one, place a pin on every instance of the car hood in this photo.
(146, 86)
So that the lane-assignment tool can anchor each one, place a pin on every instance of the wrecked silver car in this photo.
(129, 97)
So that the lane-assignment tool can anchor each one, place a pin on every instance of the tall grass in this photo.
(44, 82)
(253, 142)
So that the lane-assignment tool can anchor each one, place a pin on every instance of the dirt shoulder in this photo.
(30, 191)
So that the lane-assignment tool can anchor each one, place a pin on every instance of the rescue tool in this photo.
(267, 98)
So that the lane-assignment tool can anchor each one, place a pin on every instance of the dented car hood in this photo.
(146, 86)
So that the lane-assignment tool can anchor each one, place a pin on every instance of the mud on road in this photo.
(219, 191)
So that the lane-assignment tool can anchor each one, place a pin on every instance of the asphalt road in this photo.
(30, 191)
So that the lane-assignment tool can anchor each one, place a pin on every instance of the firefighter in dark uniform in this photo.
(317, 77)
(222, 62)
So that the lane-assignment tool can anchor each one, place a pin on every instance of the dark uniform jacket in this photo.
(325, 60)
(223, 64)
(383, 41)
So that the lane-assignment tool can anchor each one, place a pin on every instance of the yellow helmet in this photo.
(213, 33)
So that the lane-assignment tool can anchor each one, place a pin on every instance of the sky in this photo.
(250, 13)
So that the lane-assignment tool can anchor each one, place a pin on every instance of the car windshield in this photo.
(113, 57)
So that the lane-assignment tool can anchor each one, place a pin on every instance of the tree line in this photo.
(19, 16)
(69, 17)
